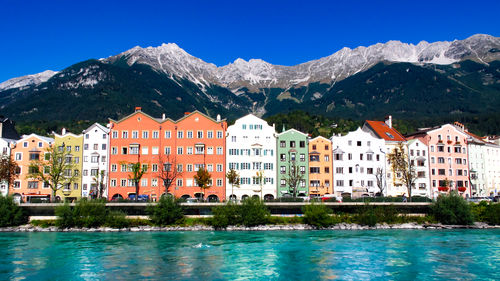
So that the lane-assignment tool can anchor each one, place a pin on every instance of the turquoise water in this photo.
(273, 255)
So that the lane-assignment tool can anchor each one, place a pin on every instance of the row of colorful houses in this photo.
(270, 164)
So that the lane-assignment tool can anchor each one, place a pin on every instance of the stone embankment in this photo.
(341, 226)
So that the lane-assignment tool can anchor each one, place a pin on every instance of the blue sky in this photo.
(41, 35)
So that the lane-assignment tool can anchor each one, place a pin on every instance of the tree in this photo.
(137, 171)
(99, 181)
(401, 164)
(379, 175)
(8, 170)
(203, 180)
(55, 169)
(293, 177)
(259, 176)
(168, 171)
(233, 178)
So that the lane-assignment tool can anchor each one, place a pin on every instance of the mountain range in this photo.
(426, 80)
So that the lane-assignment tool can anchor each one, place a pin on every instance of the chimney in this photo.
(138, 108)
(388, 121)
(218, 117)
(187, 113)
(163, 116)
(63, 131)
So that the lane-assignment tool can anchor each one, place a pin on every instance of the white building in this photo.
(5, 147)
(392, 138)
(251, 149)
(418, 154)
(357, 157)
(95, 159)
(492, 169)
(476, 148)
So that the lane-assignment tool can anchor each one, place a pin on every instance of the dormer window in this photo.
(389, 135)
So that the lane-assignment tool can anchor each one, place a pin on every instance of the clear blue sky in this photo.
(40, 35)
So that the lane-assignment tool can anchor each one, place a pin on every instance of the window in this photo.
(144, 182)
(123, 182)
(93, 172)
(313, 147)
(189, 134)
(219, 167)
(282, 157)
(302, 170)
(327, 147)
(113, 167)
(96, 146)
(219, 150)
(282, 170)
(219, 134)
(358, 143)
(34, 156)
(282, 183)
(179, 150)
(361, 156)
(369, 157)
(369, 171)
(302, 157)
(32, 184)
(441, 172)
(292, 143)
(155, 150)
(155, 135)
(112, 183)
(145, 134)
(199, 134)
(338, 156)
(327, 158)
(124, 135)
(340, 183)
(210, 134)
(114, 134)
(135, 134)
(179, 167)
(327, 170)
(168, 134)
(94, 159)
(189, 167)
(314, 170)
(114, 150)
(199, 149)
(440, 148)
(189, 150)
(154, 182)
(179, 182)
(282, 144)
(339, 170)
(180, 134)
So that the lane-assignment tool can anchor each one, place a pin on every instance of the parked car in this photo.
(141, 198)
(192, 200)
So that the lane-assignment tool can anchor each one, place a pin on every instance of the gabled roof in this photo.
(383, 131)
(161, 120)
(320, 137)
(45, 139)
(101, 127)
(292, 130)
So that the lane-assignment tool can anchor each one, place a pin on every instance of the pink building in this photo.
(448, 166)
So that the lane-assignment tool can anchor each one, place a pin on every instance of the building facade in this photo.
(292, 159)
(8, 138)
(418, 155)
(30, 148)
(358, 158)
(448, 154)
(393, 139)
(320, 167)
(251, 151)
(72, 144)
(95, 161)
(162, 145)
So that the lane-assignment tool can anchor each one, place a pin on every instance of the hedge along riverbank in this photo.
(254, 212)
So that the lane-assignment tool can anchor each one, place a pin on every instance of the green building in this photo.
(292, 163)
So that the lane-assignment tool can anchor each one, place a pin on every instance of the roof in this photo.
(46, 139)
(101, 127)
(161, 120)
(292, 130)
(382, 130)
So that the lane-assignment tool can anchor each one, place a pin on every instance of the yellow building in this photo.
(73, 144)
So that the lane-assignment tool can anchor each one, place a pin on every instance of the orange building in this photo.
(320, 167)
(185, 145)
(28, 148)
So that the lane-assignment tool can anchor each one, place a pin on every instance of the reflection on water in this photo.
(276, 255)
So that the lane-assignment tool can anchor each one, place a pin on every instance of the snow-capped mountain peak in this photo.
(28, 80)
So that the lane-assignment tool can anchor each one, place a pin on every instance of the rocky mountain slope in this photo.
(406, 80)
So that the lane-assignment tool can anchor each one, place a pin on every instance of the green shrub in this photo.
(480, 211)
(43, 223)
(117, 219)
(285, 220)
(366, 216)
(493, 214)
(64, 215)
(167, 211)
(10, 213)
(225, 215)
(317, 215)
(452, 209)
(253, 212)
(89, 213)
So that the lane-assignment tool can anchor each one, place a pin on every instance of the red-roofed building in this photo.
(384, 130)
